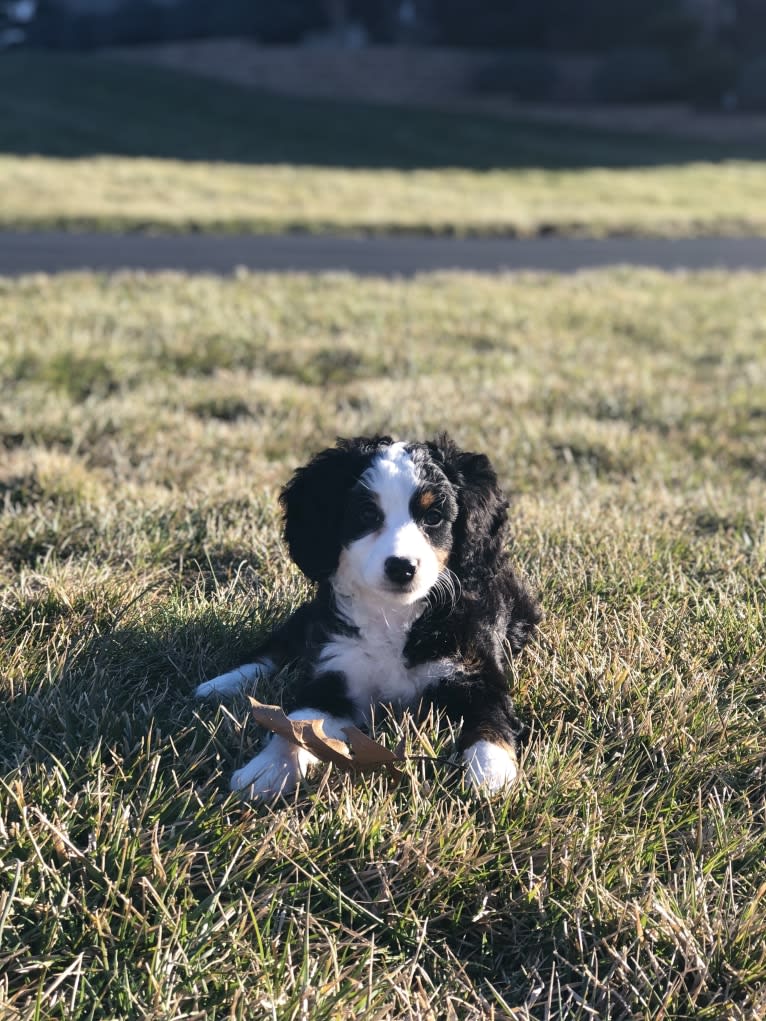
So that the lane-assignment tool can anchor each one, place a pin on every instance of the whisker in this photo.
(446, 588)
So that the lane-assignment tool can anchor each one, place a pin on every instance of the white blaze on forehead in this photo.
(393, 477)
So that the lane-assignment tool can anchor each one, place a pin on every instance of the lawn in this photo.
(86, 143)
(147, 423)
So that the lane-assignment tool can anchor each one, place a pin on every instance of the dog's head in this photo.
(390, 518)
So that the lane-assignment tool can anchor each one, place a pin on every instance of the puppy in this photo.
(416, 603)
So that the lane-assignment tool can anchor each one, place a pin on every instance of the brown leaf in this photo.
(358, 754)
(368, 753)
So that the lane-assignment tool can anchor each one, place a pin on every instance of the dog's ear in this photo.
(314, 502)
(478, 532)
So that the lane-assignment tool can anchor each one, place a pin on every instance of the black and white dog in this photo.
(416, 603)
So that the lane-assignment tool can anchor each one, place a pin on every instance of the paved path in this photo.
(49, 252)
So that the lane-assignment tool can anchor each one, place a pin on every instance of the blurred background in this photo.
(504, 118)
(708, 53)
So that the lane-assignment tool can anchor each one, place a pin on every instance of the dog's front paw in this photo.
(276, 770)
(233, 682)
(491, 767)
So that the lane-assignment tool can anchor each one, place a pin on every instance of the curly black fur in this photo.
(314, 502)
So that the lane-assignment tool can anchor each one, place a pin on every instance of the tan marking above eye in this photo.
(426, 499)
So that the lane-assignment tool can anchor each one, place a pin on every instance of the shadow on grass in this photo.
(65, 105)
(114, 687)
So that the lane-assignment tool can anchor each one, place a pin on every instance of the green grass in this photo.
(90, 144)
(73, 105)
(147, 423)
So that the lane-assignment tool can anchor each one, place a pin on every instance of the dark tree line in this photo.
(562, 25)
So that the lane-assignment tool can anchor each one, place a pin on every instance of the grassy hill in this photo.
(68, 105)
(91, 143)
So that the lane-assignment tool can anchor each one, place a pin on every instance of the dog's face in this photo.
(389, 519)
(396, 534)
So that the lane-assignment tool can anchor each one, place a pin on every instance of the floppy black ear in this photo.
(479, 530)
(314, 502)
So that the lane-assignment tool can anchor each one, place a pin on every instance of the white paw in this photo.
(282, 764)
(235, 681)
(276, 770)
(491, 766)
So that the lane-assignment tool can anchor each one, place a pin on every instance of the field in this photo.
(147, 423)
(86, 143)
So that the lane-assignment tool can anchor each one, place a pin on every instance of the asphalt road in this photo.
(56, 252)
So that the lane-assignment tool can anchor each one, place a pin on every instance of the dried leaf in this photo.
(308, 734)
(358, 754)
(368, 753)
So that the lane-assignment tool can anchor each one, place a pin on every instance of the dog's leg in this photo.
(281, 765)
(285, 643)
(235, 681)
(488, 743)
(491, 765)
(489, 725)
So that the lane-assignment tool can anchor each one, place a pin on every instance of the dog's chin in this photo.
(385, 594)
(402, 595)
(398, 596)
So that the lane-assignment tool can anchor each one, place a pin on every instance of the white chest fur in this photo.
(372, 660)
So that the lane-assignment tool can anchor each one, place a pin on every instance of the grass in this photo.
(111, 193)
(147, 423)
(86, 143)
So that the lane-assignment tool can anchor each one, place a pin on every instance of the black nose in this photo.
(400, 570)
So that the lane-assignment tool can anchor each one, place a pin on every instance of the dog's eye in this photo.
(433, 517)
(369, 514)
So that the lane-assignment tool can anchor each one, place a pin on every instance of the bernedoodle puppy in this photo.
(416, 603)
